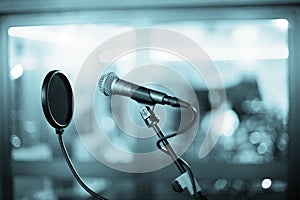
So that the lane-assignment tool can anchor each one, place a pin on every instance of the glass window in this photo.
(251, 57)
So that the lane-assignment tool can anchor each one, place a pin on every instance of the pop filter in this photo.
(57, 102)
(57, 99)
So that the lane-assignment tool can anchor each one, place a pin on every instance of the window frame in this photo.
(55, 17)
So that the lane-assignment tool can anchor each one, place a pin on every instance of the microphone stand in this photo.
(186, 179)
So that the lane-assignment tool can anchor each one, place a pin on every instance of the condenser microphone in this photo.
(111, 84)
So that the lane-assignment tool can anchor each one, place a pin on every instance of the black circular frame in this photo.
(57, 99)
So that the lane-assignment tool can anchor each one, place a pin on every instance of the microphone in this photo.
(111, 84)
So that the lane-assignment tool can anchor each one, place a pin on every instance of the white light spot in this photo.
(30, 126)
(220, 184)
(281, 24)
(231, 123)
(228, 130)
(266, 183)
(15, 141)
(108, 124)
(17, 71)
(255, 137)
(262, 148)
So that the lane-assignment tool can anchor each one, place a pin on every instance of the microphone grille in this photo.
(105, 83)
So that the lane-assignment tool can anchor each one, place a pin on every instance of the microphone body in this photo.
(110, 84)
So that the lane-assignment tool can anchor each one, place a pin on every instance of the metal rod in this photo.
(169, 148)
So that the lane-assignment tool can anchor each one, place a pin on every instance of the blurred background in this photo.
(252, 47)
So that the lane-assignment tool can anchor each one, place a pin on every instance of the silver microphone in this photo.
(111, 84)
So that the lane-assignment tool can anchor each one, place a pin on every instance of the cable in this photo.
(187, 127)
(191, 123)
(74, 172)
(181, 161)
(190, 172)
